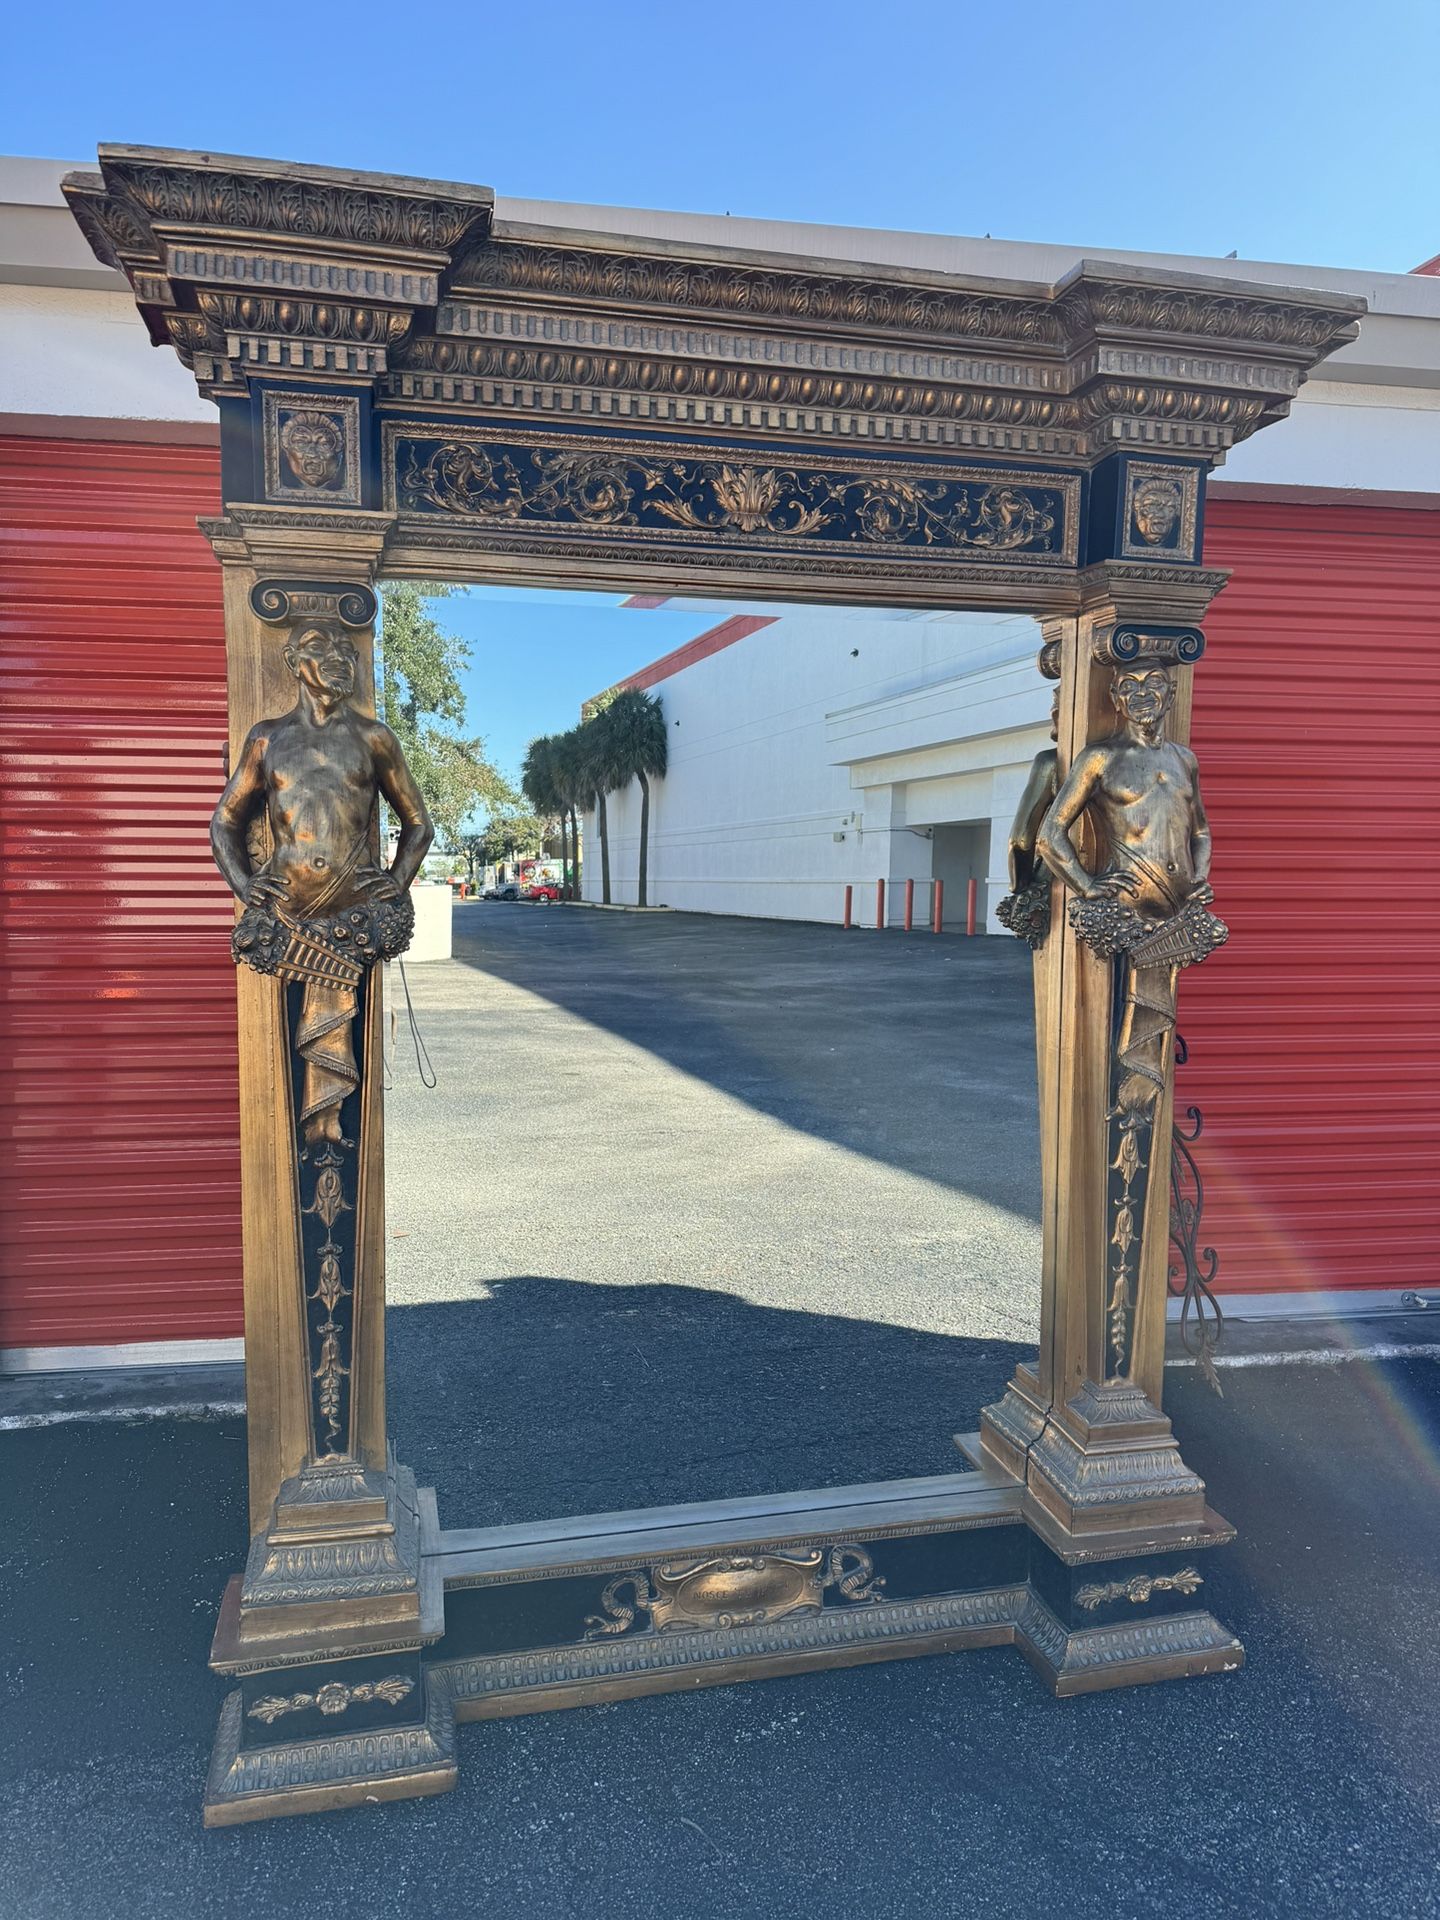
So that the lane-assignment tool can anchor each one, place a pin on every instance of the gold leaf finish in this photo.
(334, 1697)
(1139, 1588)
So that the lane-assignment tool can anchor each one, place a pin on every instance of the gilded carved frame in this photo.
(508, 401)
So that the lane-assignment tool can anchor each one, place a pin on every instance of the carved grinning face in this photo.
(312, 444)
(1143, 695)
(323, 659)
(1157, 509)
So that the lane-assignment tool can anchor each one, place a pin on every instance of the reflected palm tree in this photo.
(638, 749)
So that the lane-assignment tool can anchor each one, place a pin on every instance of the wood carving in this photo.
(319, 910)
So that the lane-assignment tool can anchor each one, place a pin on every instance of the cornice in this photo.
(610, 271)
(232, 195)
(259, 269)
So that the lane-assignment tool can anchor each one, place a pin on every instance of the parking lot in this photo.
(703, 1207)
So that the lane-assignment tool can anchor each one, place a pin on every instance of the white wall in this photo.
(1365, 438)
(434, 907)
(786, 749)
(72, 354)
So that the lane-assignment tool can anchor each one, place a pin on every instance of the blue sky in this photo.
(1282, 131)
(536, 655)
(1285, 131)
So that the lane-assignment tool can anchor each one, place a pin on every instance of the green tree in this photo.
(640, 745)
(601, 773)
(540, 783)
(508, 833)
(420, 696)
(568, 772)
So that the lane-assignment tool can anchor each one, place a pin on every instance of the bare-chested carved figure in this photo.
(319, 910)
(1149, 896)
(1025, 910)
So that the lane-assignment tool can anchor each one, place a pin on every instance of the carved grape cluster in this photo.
(370, 931)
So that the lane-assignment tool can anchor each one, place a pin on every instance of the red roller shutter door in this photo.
(1315, 1035)
(119, 1184)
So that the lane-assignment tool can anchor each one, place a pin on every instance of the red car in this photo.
(544, 890)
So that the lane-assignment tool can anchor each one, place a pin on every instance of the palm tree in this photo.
(635, 721)
(539, 780)
(597, 767)
(568, 773)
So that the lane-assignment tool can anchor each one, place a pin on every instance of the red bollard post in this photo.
(937, 918)
(849, 901)
(972, 890)
(909, 905)
(879, 905)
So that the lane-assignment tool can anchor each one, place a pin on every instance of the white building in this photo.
(813, 749)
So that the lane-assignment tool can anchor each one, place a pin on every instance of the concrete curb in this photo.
(217, 1392)
(599, 906)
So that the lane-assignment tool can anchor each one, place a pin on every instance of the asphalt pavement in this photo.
(631, 1232)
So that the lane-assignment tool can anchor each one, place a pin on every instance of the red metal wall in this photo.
(1315, 1035)
(119, 1179)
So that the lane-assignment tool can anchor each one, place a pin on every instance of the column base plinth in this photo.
(325, 1632)
(1125, 1654)
(1105, 1463)
(342, 1769)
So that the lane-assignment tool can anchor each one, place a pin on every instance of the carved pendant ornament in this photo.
(1139, 1588)
(319, 912)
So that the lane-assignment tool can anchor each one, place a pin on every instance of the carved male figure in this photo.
(1143, 792)
(1025, 910)
(1149, 893)
(315, 773)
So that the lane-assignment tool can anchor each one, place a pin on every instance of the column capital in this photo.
(330, 544)
(1125, 590)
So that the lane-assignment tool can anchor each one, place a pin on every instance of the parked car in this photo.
(510, 891)
(544, 891)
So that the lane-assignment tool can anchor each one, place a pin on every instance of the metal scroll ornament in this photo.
(1192, 1268)
(735, 1590)
(295, 834)
(614, 489)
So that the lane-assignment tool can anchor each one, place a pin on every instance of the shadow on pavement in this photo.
(915, 1050)
(951, 1786)
(552, 1397)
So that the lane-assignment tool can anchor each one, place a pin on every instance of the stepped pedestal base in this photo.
(611, 1606)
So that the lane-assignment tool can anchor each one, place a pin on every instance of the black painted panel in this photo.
(329, 1682)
